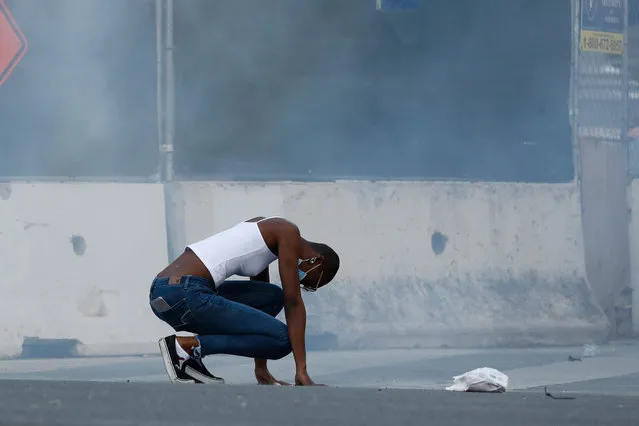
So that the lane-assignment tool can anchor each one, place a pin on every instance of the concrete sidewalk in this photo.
(613, 368)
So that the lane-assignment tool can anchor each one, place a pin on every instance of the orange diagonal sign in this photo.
(13, 45)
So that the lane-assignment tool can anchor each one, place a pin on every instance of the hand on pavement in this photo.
(303, 379)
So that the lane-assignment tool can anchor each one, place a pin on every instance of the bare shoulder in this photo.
(278, 232)
(279, 225)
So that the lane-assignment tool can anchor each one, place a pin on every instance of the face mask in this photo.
(301, 274)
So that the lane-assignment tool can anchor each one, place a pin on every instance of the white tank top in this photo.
(239, 250)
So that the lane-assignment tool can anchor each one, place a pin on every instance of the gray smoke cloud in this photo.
(338, 88)
(84, 104)
(300, 88)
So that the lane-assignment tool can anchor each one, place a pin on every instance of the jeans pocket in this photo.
(177, 316)
(170, 306)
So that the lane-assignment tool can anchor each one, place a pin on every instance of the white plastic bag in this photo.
(480, 380)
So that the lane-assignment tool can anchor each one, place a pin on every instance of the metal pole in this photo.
(574, 86)
(167, 148)
(172, 193)
(159, 53)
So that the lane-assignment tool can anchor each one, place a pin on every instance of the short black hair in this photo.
(330, 264)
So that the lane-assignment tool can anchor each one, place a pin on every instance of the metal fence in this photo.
(605, 101)
(632, 55)
(290, 89)
(601, 71)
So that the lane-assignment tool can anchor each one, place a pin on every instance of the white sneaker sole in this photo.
(168, 364)
(203, 378)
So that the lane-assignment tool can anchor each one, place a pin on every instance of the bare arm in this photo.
(290, 249)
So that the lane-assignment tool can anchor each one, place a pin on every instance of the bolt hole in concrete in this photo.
(5, 191)
(438, 242)
(79, 244)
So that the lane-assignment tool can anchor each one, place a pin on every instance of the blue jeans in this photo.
(238, 318)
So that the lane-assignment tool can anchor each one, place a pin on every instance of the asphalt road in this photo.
(49, 402)
(390, 387)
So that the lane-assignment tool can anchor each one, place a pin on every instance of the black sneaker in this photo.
(173, 363)
(194, 367)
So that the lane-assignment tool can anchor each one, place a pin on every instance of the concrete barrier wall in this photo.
(427, 264)
(423, 264)
(77, 261)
